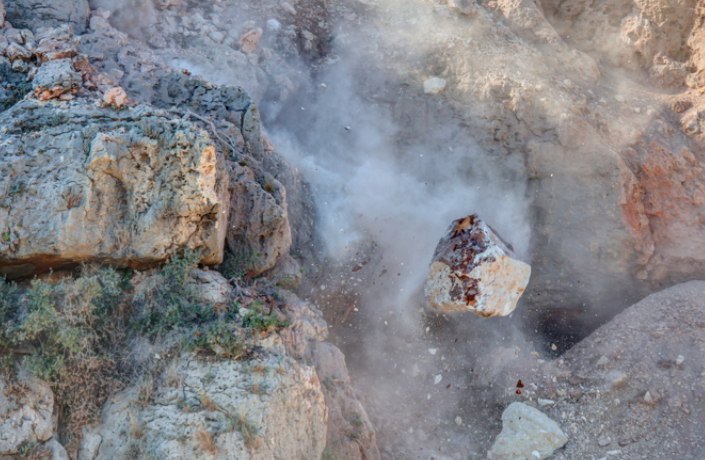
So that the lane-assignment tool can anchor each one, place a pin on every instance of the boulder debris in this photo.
(527, 434)
(474, 270)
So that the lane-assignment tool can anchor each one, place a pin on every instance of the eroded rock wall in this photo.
(129, 187)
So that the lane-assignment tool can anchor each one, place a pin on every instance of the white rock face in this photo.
(473, 270)
(280, 398)
(434, 85)
(25, 417)
(527, 434)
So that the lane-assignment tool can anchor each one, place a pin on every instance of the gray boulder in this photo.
(218, 410)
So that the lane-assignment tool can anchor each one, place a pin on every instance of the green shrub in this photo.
(170, 304)
(239, 264)
(258, 318)
(219, 338)
(74, 332)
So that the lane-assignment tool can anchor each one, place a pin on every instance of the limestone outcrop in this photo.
(269, 408)
(90, 183)
(474, 270)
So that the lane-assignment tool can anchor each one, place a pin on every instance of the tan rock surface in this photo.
(128, 188)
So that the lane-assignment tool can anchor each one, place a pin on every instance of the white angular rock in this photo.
(474, 270)
(527, 434)
(434, 85)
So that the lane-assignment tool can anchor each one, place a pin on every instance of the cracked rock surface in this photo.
(90, 183)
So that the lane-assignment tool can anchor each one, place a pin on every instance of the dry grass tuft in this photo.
(205, 440)
(247, 429)
(259, 369)
(136, 428)
(207, 403)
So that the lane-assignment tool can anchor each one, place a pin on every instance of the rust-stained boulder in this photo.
(474, 270)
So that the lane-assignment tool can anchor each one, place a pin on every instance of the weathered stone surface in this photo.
(210, 286)
(34, 14)
(259, 226)
(248, 42)
(26, 415)
(128, 188)
(527, 434)
(55, 78)
(283, 402)
(474, 270)
(350, 433)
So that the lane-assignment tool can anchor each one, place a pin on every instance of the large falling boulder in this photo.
(90, 184)
(474, 270)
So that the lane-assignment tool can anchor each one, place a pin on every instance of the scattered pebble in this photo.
(433, 350)
(604, 440)
(434, 85)
(545, 402)
(619, 98)
(458, 421)
(680, 360)
(438, 379)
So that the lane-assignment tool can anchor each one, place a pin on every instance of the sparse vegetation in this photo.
(220, 338)
(74, 329)
(205, 440)
(207, 403)
(246, 428)
(26, 449)
(15, 93)
(238, 265)
(258, 318)
(328, 454)
(170, 304)
(79, 332)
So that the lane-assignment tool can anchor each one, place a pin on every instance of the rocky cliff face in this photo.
(171, 167)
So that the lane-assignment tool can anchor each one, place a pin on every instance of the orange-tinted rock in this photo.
(474, 270)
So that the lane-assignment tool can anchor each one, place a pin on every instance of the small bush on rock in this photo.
(74, 331)
(258, 318)
(170, 304)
